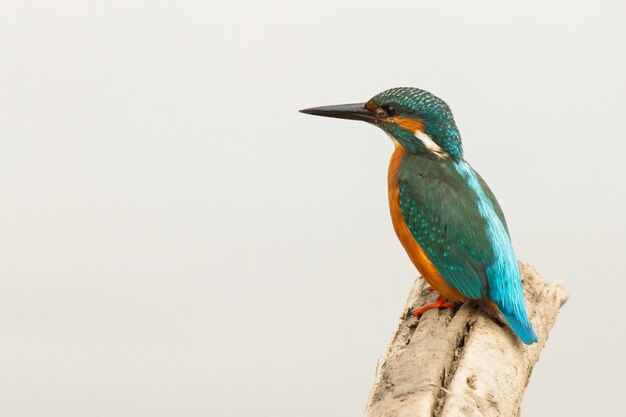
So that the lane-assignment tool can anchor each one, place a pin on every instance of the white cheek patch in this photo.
(430, 144)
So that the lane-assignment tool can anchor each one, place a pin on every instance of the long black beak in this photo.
(356, 111)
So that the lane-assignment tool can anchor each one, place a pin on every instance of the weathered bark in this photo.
(461, 362)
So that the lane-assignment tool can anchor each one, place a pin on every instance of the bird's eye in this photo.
(386, 111)
(391, 111)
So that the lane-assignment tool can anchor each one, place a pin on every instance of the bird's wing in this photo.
(444, 220)
(457, 221)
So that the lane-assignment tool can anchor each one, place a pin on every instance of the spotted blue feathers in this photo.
(455, 218)
(431, 110)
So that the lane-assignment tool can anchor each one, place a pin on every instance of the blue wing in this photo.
(455, 218)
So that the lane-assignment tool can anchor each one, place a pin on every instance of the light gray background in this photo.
(177, 240)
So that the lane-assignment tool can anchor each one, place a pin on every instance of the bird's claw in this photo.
(440, 303)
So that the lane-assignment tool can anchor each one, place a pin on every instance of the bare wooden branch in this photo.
(461, 363)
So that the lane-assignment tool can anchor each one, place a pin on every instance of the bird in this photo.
(444, 214)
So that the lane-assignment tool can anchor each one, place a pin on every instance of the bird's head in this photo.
(417, 120)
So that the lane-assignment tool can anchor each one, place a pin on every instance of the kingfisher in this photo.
(444, 214)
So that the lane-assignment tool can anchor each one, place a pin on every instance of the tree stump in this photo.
(461, 362)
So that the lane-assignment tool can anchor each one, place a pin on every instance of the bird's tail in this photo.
(519, 323)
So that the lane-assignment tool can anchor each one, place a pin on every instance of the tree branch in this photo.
(461, 362)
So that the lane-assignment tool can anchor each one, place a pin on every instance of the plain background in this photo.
(177, 239)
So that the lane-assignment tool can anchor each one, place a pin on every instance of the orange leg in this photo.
(440, 303)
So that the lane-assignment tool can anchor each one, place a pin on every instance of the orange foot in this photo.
(440, 303)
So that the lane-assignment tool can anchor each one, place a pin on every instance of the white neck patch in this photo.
(430, 144)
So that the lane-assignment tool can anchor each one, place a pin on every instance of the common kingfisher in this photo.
(446, 217)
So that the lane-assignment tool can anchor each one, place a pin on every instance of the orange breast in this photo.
(413, 249)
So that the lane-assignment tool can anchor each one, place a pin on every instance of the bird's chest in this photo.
(393, 185)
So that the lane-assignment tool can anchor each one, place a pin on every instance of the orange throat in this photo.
(412, 248)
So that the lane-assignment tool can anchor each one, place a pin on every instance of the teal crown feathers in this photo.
(432, 111)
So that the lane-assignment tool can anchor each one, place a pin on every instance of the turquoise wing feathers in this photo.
(455, 218)
(441, 217)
